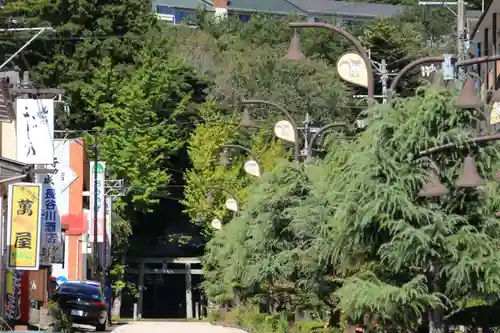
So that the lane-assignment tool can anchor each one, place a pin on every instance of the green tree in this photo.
(146, 117)
(244, 60)
(204, 147)
(409, 255)
(85, 33)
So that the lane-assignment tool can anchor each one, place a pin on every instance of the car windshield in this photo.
(85, 290)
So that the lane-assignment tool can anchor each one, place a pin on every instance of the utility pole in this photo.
(461, 33)
(384, 78)
(460, 29)
(383, 72)
(95, 249)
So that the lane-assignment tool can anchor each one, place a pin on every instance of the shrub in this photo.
(252, 320)
(62, 322)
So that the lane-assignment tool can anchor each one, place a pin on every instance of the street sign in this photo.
(352, 68)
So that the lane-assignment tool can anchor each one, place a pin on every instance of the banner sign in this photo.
(109, 209)
(23, 226)
(16, 296)
(101, 191)
(35, 131)
(51, 247)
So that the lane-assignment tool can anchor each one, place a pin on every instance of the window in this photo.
(164, 10)
(175, 16)
(90, 291)
(244, 18)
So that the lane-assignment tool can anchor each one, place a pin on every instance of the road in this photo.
(174, 327)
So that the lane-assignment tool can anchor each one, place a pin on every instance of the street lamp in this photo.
(247, 120)
(295, 54)
(469, 177)
(252, 166)
(468, 97)
(231, 203)
(318, 133)
(289, 134)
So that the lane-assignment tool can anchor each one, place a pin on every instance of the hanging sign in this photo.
(252, 168)
(285, 131)
(35, 131)
(232, 205)
(24, 226)
(352, 68)
(101, 191)
(216, 224)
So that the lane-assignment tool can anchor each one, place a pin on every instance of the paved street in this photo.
(174, 327)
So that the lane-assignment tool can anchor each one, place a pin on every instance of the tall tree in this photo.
(412, 255)
(85, 33)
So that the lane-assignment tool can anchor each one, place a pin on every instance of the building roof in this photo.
(348, 8)
(265, 6)
(321, 7)
(186, 4)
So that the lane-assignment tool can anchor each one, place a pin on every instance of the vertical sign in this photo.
(35, 131)
(109, 208)
(51, 243)
(16, 296)
(23, 226)
(101, 169)
(51, 221)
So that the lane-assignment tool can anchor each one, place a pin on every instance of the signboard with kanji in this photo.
(23, 226)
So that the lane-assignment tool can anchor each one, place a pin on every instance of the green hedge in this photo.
(252, 320)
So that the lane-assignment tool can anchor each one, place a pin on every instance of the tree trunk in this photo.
(436, 316)
(117, 300)
(436, 324)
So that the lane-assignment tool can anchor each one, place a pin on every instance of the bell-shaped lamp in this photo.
(224, 159)
(433, 187)
(495, 98)
(246, 120)
(468, 98)
(437, 80)
(470, 177)
(210, 198)
(294, 53)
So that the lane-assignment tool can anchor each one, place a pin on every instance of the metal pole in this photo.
(460, 35)
(245, 149)
(105, 244)
(95, 256)
(355, 42)
(321, 131)
(287, 114)
(384, 78)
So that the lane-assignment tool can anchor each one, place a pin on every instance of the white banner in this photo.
(109, 209)
(35, 131)
(101, 187)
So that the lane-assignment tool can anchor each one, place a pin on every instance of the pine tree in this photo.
(409, 255)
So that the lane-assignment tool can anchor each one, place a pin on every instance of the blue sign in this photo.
(61, 279)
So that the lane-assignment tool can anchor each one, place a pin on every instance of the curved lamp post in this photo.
(246, 120)
(319, 132)
(468, 98)
(469, 177)
(232, 203)
(252, 167)
(295, 54)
